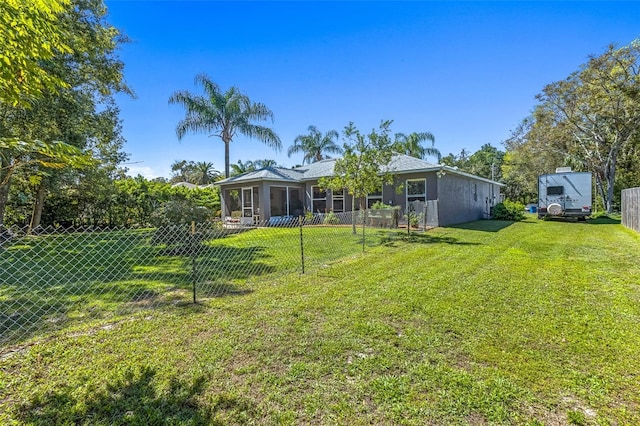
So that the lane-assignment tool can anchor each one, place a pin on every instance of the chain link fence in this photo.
(53, 278)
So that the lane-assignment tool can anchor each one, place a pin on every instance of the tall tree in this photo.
(82, 112)
(24, 27)
(314, 145)
(362, 168)
(411, 145)
(596, 112)
(486, 162)
(223, 115)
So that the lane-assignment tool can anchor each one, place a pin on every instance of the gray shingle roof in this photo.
(268, 173)
(400, 163)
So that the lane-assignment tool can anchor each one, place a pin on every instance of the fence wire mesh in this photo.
(52, 278)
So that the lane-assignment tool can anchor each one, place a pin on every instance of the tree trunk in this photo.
(37, 206)
(353, 215)
(611, 179)
(226, 159)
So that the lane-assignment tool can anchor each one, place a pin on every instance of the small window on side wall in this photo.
(416, 190)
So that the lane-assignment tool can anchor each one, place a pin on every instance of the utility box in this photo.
(565, 194)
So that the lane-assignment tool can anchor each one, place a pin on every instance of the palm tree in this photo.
(203, 173)
(412, 145)
(223, 115)
(180, 170)
(261, 164)
(240, 168)
(314, 145)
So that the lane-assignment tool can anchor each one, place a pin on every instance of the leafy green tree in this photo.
(594, 114)
(25, 25)
(361, 170)
(315, 145)
(486, 162)
(527, 156)
(411, 145)
(223, 115)
(81, 113)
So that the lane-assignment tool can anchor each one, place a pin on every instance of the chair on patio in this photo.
(233, 221)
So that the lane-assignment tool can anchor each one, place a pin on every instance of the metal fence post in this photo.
(300, 221)
(194, 271)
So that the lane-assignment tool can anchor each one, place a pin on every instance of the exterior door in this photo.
(247, 203)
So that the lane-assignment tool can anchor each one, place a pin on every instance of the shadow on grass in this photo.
(485, 225)
(52, 281)
(134, 398)
(390, 238)
(604, 220)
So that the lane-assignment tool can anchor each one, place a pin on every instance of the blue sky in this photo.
(466, 71)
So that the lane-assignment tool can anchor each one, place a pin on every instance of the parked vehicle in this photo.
(565, 194)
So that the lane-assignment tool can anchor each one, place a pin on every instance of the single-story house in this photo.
(451, 196)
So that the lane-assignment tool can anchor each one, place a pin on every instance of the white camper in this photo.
(564, 194)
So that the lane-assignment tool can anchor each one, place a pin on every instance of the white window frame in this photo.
(374, 198)
(338, 197)
(421, 195)
(313, 199)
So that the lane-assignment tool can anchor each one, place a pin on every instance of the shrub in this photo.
(508, 210)
(414, 218)
(380, 205)
(331, 219)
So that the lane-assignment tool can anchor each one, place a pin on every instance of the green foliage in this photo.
(411, 145)
(577, 418)
(314, 145)
(80, 113)
(414, 219)
(380, 205)
(195, 172)
(32, 33)
(486, 162)
(508, 210)
(18, 154)
(180, 212)
(361, 170)
(252, 165)
(331, 219)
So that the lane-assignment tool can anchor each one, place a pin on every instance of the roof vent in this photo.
(563, 170)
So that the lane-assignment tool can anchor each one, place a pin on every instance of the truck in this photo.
(565, 194)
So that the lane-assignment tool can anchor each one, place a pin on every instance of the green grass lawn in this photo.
(486, 323)
(52, 281)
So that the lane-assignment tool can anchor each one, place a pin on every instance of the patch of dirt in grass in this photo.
(476, 419)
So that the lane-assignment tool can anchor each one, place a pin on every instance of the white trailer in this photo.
(565, 194)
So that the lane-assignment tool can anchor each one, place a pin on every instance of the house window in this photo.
(318, 199)
(475, 192)
(338, 200)
(416, 190)
(374, 198)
